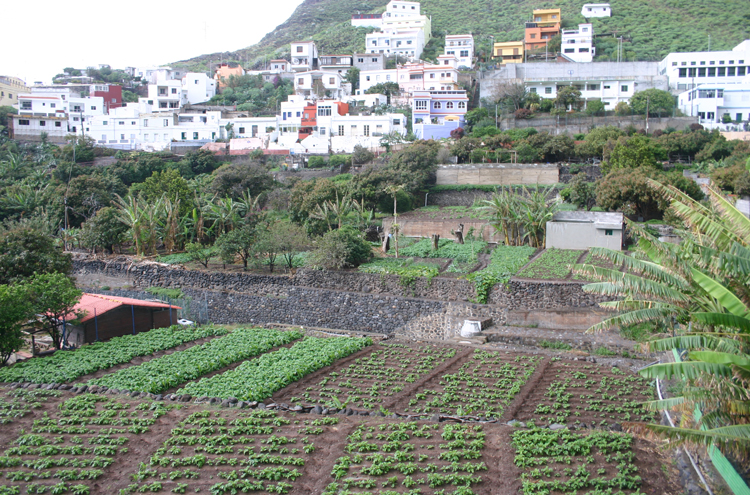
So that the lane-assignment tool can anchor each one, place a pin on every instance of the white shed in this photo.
(585, 229)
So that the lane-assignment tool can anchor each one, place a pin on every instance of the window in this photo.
(722, 72)
(674, 64)
(396, 121)
(420, 104)
(432, 76)
(464, 53)
(58, 124)
(361, 60)
(242, 130)
(195, 135)
(608, 232)
(52, 105)
(532, 90)
(23, 122)
(712, 62)
(437, 105)
(702, 72)
(195, 82)
(25, 105)
(712, 72)
(683, 72)
(593, 87)
(132, 123)
(462, 105)
(341, 130)
(166, 122)
(738, 117)
(331, 80)
(683, 63)
(711, 115)
(42, 123)
(570, 50)
(105, 123)
(548, 90)
(415, 76)
(740, 71)
(300, 81)
(624, 88)
(533, 36)
(731, 71)
(693, 63)
(299, 49)
(583, 50)
(122, 122)
(145, 122)
(692, 72)
(183, 136)
(449, 105)
(174, 91)
(367, 78)
(324, 111)
(366, 130)
(374, 59)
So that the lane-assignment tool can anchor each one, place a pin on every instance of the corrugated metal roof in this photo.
(98, 304)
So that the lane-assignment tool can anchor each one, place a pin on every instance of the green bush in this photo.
(316, 162)
(341, 248)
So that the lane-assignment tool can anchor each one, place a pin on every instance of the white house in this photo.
(461, 46)
(304, 56)
(278, 66)
(711, 102)
(197, 88)
(335, 63)
(165, 95)
(407, 43)
(590, 10)
(367, 20)
(57, 111)
(321, 84)
(150, 75)
(415, 76)
(578, 44)
(585, 229)
(686, 70)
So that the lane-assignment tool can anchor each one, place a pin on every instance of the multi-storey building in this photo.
(717, 104)
(436, 113)
(686, 70)
(416, 76)
(56, 111)
(321, 84)
(404, 31)
(369, 61)
(111, 93)
(544, 26)
(596, 10)
(578, 44)
(461, 46)
(10, 88)
(337, 63)
(304, 56)
(170, 94)
(224, 71)
(510, 52)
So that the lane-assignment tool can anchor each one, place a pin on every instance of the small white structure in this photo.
(578, 44)
(197, 88)
(711, 102)
(585, 229)
(404, 30)
(596, 10)
(461, 46)
(686, 70)
(471, 328)
(321, 84)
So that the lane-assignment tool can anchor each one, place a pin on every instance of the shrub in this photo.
(316, 162)
(345, 247)
(457, 133)
(523, 113)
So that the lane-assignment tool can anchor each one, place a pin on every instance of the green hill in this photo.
(652, 28)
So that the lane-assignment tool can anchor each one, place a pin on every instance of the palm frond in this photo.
(659, 405)
(696, 341)
(725, 297)
(631, 318)
(735, 437)
(689, 370)
(736, 220)
(726, 320)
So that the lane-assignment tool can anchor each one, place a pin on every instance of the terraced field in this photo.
(271, 411)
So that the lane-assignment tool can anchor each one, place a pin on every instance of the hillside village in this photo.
(491, 267)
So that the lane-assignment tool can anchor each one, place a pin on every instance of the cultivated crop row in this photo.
(599, 462)
(222, 452)
(67, 450)
(371, 380)
(174, 369)
(483, 386)
(18, 402)
(410, 457)
(260, 378)
(65, 366)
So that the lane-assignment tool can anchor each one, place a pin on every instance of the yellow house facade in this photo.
(547, 17)
(510, 51)
(10, 88)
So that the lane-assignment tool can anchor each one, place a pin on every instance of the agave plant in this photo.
(701, 289)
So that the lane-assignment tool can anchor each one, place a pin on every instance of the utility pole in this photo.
(647, 102)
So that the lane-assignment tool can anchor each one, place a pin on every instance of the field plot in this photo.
(598, 462)
(371, 380)
(411, 457)
(70, 449)
(598, 262)
(552, 264)
(575, 393)
(66, 366)
(483, 385)
(236, 451)
(259, 378)
(19, 402)
(159, 375)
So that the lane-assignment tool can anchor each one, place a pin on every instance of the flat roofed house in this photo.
(586, 229)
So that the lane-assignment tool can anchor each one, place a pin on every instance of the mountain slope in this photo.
(652, 28)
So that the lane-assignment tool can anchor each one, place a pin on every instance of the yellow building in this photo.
(10, 87)
(510, 51)
(547, 17)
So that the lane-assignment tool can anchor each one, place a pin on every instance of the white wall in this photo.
(574, 235)
(197, 88)
(685, 70)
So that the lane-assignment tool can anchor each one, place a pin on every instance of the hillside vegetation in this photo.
(652, 28)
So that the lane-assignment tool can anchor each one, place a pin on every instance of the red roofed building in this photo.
(109, 316)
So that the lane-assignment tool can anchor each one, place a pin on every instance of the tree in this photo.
(698, 290)
(595, 107)
(622, 109)
(362, 155)
(201, 161)
(352, 77)
(236, 178)
(388, 89)
(199, 253)
(659, 102)
(236, 243)
(25, 251)
(292, 240)
(567, 98)
(15, 311)
(345, 247)
(473, 117)
(512, 96)
(4, 112)
(104, 230)
(633, 152)
(53, 296)
(582, 191)
(390, 139)
(168, 183)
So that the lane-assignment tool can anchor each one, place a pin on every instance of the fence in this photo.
(191, 309)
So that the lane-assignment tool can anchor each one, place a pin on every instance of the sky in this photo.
(82, 33)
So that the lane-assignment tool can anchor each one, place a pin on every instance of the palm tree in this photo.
(129, 212)
(701, 289)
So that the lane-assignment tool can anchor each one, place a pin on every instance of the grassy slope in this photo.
(656, 27)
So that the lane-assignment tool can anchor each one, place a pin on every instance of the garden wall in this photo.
(425, 227)
(467, 197)
(498, 174)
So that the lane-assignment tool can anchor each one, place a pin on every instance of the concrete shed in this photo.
(108, 316)
(585, 229)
